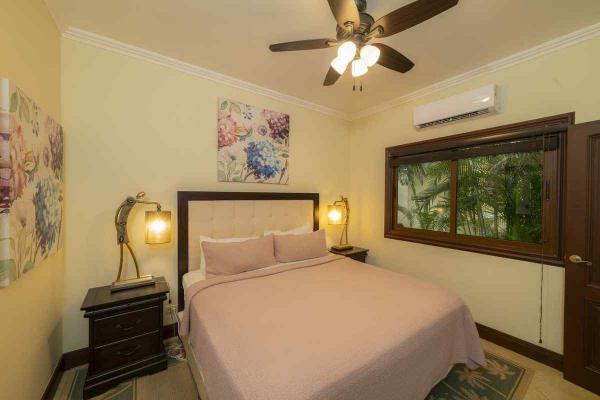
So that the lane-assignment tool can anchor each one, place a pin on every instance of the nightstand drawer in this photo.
(130, 350)
(121, 326)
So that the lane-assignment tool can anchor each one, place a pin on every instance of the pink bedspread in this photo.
(326, 329)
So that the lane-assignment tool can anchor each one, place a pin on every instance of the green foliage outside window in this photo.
(424, 196)
(499, 196)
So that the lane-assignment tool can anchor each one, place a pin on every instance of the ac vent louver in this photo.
(455, 118)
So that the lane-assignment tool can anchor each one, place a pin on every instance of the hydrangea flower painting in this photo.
(31, 184)
(253, 144)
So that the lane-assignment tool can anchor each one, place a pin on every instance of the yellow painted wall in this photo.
(31, 308)
(502, 293)
(135, 126)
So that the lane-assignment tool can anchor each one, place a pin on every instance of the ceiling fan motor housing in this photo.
(361, 5)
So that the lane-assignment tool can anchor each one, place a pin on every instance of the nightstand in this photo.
(355, 253)
(126, 334)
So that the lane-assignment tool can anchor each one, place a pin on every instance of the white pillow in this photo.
(307, 228)
(214, 240)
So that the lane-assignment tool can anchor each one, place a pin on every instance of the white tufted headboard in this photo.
(235, 214)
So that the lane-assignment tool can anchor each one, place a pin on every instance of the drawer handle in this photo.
(127, 353)
(128, 328)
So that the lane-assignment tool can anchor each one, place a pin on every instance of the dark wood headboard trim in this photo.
(184, 197)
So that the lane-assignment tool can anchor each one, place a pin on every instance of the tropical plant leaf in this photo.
(224, 105)
(222, 177)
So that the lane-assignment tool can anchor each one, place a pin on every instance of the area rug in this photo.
(500, 380)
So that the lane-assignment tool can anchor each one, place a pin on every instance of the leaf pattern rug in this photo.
(500, 380)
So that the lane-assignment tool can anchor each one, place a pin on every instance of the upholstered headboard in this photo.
(235, 214)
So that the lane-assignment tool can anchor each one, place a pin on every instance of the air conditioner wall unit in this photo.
(473, 103)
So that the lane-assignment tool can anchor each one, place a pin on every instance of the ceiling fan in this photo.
(356, 28)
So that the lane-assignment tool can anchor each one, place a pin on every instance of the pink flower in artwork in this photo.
(21, 160)
(227, 130)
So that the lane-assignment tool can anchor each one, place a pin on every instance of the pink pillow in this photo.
(290, 248)
(235, 258)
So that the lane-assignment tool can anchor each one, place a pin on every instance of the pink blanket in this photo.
(326, 329)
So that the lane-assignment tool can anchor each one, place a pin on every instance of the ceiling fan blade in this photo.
(392, 59)
(345, 11)
(304, 45)
(331, 77)
(411, 15)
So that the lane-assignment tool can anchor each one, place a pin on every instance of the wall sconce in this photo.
(339, 214)
(158, 230)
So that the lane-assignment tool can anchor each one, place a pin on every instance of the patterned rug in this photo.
(500, 380)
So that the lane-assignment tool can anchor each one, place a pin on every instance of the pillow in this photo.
(237, 257)
(213, 240)
(307, 228)
(289, 248)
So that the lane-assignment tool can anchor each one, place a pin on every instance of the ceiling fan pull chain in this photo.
(361, 84)
(354, 86)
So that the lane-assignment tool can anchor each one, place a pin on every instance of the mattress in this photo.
(326, 329)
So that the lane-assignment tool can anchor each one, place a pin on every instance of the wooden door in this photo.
(582, 257)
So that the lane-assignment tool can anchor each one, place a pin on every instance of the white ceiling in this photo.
(232, 38)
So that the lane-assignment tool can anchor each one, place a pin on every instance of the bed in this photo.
(322, 328)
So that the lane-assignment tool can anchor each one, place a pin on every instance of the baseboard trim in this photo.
(54, 380)
(530, 350)
(79, 357)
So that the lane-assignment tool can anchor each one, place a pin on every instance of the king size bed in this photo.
(324, 327)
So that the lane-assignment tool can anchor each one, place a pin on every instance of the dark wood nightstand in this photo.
(355, 253)
(126, 336)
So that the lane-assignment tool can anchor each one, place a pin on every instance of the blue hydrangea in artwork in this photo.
(47, 214)
(263, 160)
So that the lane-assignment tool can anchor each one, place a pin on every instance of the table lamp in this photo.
(158, 230)
(338, 213)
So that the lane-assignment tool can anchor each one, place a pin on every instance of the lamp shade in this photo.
(359, 67)
(158, 227)
(335, 214)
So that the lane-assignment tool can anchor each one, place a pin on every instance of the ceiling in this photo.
(232, 38)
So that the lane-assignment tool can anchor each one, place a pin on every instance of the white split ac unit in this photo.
(473, 103)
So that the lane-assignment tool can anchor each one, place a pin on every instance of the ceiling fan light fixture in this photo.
(340, 65)
(347, 51)
(370, 54)
(359, 68)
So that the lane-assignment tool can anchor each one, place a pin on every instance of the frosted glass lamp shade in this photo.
(347, 51)
(359, 68)
(158, 227)
(340, 65)
(370, 55)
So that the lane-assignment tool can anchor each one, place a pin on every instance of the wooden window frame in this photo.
(550, 251)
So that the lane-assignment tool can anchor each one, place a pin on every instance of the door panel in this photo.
(582, 257)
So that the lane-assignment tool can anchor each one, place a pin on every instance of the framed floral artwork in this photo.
(253, 144)
(31, 184)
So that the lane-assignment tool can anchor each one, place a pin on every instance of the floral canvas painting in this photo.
(253, 144)
(31, 184)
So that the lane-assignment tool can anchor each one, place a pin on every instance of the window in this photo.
(495, 191)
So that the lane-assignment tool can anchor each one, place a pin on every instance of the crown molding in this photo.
(156, 58)
(109, 44)
(550, 46)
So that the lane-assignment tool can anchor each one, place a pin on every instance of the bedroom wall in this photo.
(135, 126)
(502, 293)
(31, 307)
